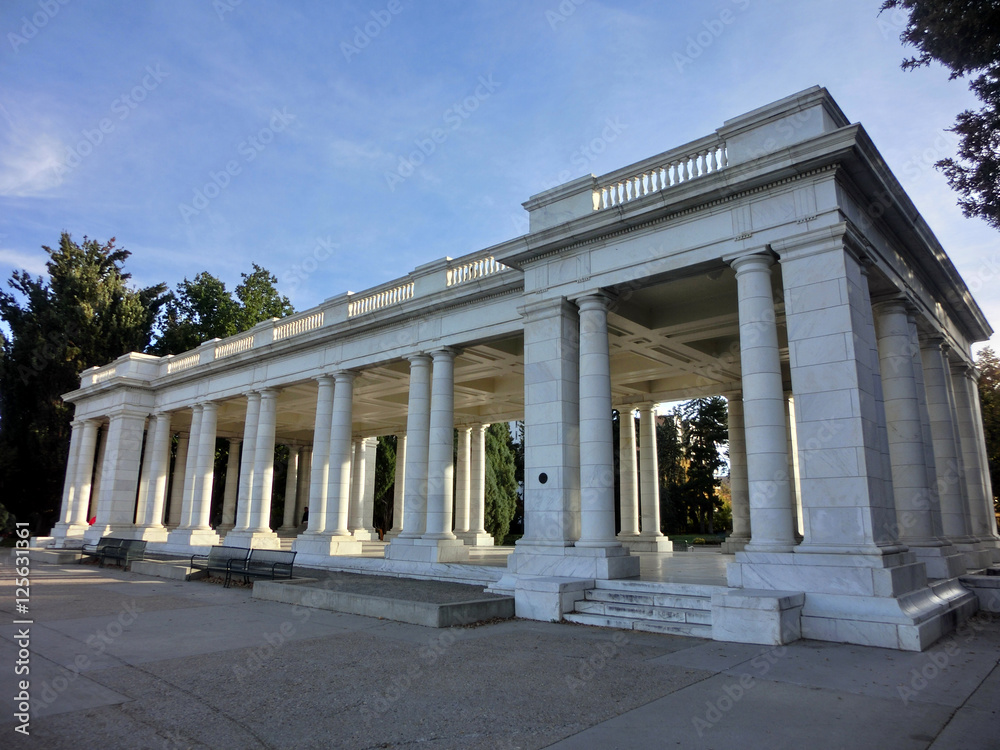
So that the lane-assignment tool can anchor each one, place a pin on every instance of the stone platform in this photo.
(434, 604)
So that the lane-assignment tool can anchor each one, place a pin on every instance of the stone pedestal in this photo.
(309, 545)
(249, 538)
(872, 600)
(427, 550)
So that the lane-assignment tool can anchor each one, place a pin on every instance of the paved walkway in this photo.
(120, 660)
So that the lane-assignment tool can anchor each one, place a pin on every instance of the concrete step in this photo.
(677, 601)
(648, 626)
(642, 612)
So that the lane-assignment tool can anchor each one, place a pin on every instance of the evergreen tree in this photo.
(83, 314)
(989, 398)
(964, 36)
(385, 482)
(501, 485)
(203, 309)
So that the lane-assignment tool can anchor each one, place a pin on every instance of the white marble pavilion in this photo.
(776, 261)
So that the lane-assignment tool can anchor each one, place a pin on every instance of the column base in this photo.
(94, 533)
(182, 540)
(869, 599)
(975, 558)
(361, 535)
(256, 539)
(391, 534)
(68, 534)
(476, 538)
(325, 545)
(581, 563)
(427, 550)
(150, 533)
(992, 547)
(734, 544)
(650, 543)
(941, 562)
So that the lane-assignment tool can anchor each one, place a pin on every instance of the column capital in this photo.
(420, 358)
(268, 393)
(235, 441)
(761, 260)
(210, 406)
(444, 352)
(325, 379)
(595, 300)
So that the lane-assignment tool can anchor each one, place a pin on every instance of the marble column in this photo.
(569, 529)
(597, 504)
(305, 477)
(190, 469)
(414, 491)
(628, 473)
(79, 476)
(330, 465)
(793, 466)
(399, 487)
(339, 485)
(120, 476)
(151, 523)
(739, 491)
(95, 489)
(194, 529)
(771, 513)
(291, 489)
(371, 456)
(439, 542)
(177, 482)
(202, 510)
(462, 483)
(651, 539)
(954, 519)
(245, 487)
(358, 526)
(144, 472)
(911, 489)
(68, 511)
(258, 448)
(232, 486)
(478, 536)
(981, 518)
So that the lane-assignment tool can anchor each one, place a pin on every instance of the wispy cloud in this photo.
(29, 158)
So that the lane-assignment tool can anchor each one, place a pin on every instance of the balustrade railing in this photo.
(179, 364)
(672, 170)
(295, 326)
(233, 347)
(474, 269)
(380, 299)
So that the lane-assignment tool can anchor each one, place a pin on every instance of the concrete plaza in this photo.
(121, 660)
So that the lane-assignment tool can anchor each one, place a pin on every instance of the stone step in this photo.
(660, 587)
(648, 626)
(677, 601)
(642, 612)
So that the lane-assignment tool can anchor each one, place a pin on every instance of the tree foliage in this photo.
(202, 309)
(84, 314)
(689, 454)
(964, 36)
(501, 484)
(989, 397)
(385, 481)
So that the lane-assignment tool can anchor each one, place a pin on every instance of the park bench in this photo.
(219, 559)
(126, 552)
(97, 549)
(264, 563)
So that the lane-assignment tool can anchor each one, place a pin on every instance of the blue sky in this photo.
(206, 135)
